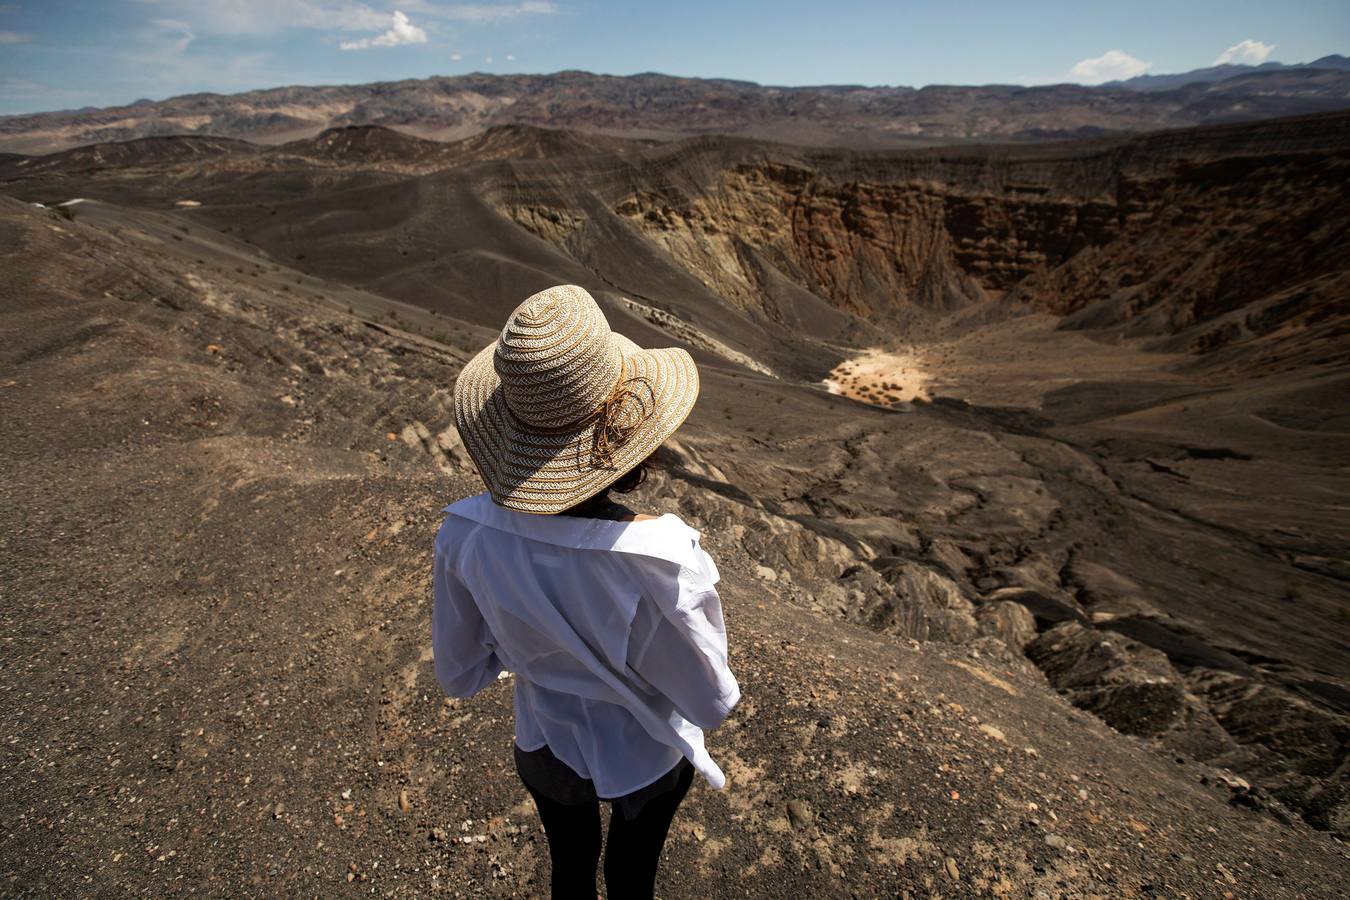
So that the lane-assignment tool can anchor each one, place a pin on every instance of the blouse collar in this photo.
(665, 537)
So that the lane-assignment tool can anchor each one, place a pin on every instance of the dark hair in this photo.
(629, 481)
(596, 506)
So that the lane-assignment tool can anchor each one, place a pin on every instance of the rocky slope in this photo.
(217, 526)
(664, 106)
(1224, 239)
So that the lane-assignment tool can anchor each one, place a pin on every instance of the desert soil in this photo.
(217, 522)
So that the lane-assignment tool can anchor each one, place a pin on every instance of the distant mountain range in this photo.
(1221, 73)
(660, 106)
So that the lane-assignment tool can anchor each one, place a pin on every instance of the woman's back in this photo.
(612, 628)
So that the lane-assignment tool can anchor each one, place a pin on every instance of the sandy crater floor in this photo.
(880, 377)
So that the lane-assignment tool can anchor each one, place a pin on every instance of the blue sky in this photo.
(69, 53)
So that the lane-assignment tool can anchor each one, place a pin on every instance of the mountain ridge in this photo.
(662, 106)
(1222, 72)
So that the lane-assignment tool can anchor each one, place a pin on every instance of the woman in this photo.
(609, 620)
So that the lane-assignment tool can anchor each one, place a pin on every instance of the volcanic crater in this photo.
(1025, 468)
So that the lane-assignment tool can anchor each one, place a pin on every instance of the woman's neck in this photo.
(605, 507)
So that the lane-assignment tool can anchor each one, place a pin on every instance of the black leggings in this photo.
(633, 851)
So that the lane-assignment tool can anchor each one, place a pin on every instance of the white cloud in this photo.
(456, 56)
(510, 57)
(482, 12)
(172, 34)
(402, 31)
(271, 16)
(1110, 66)
(14, 37)
(235, 17)
(1248, 52)
(487, 59)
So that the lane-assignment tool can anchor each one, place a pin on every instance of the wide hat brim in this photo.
(545, 471)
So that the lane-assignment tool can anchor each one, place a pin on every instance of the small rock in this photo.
(1056, 841)
(993, 732)
(347, 794)
(1007, 620)
(403, 802)
(799, 813)
(279, 810)
(952, 871)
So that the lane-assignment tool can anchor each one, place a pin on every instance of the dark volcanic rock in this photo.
(1301, 749)
(1047, 607)
(1131, 686)
(1007, 620)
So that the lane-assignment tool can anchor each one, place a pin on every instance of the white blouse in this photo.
(613, 630)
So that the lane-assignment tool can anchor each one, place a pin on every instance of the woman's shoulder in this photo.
(675, 546)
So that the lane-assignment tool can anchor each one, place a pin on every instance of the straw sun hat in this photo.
(559, 407)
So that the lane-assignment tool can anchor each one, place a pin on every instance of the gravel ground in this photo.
(215, 541)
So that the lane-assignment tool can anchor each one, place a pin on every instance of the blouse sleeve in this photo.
(679, 642)
(462, 644)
